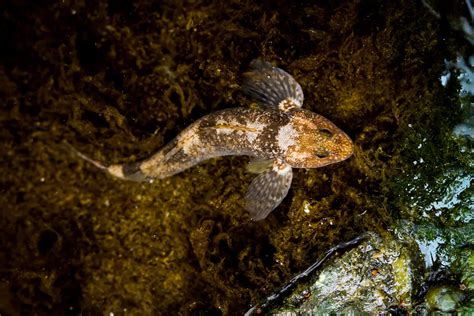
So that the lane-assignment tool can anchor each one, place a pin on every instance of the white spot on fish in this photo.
(190, 141)
(116, 170)
(256, 129)
(286, 136)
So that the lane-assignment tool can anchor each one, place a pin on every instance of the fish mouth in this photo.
(346, 146)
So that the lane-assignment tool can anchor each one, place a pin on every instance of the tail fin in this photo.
(129, 171)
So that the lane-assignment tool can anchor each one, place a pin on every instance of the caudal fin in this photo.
(131, 171)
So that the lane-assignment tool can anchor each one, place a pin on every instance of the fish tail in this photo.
(128, 171)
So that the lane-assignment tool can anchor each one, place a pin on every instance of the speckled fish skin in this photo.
(235, 131)
(278, 131)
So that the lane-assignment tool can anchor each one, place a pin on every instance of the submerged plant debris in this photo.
(119, 79)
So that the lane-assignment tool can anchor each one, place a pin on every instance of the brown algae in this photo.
(121, 79)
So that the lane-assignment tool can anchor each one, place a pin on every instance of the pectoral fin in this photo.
(272, 86)
(267, 190)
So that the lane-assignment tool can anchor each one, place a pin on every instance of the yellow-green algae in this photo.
(119, 79)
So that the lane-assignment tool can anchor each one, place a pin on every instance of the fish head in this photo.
(318, 142)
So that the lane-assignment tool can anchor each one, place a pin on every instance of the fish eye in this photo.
(325, 132)
(321, 153)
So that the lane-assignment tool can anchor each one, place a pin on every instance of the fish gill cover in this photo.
(117, 80)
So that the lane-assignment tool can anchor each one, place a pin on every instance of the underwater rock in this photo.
(382, 275)
(377, 276)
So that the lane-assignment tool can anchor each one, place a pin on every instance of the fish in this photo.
(278, 134)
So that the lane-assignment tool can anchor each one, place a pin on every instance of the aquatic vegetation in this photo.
(121, 79)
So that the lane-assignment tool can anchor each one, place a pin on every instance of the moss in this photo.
(119, 80)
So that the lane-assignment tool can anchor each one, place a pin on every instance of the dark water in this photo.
(117, 80)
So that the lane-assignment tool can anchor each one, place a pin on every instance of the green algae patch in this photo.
(117, 80)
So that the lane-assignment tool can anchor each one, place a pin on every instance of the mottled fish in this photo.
(279, 134)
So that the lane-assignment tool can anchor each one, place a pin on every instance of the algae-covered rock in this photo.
(379, 275)
(382, 275)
